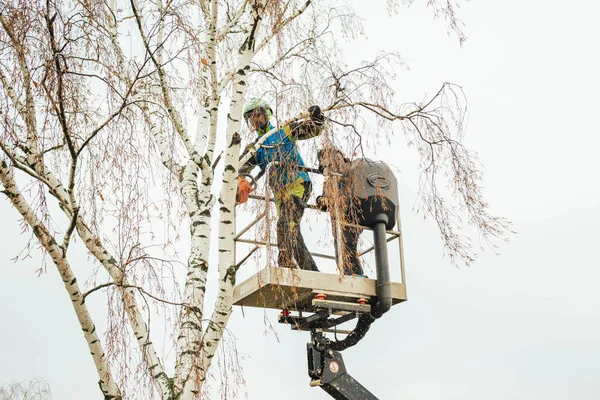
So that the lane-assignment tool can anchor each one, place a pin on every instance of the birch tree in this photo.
(121, 131)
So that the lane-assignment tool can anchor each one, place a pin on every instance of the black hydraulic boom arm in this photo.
(327, 370)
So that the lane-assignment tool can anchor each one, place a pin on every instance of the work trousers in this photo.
(348, 213)
(349, 235)
(289, 237)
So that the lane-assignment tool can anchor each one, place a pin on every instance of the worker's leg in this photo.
(351, 262)
(284, 235)
(291, 204)
(300, 251)
(336, 244)
(348, 236)
(287, 211)
(299, 196)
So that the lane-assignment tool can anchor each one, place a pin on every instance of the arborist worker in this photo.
(291, 185)
(338, 200)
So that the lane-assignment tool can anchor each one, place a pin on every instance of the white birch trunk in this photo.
(196, 193)
(136, 320)
(58, 256)
(227, 269)
(199, 203)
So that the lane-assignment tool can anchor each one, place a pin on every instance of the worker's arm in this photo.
(310, 128)
(252, 162)
(248, 167)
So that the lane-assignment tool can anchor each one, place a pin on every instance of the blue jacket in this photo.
(281, 147)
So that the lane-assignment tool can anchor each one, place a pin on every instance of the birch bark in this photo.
(58, 255)
(52, 107)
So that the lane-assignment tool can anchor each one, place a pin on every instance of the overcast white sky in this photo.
(522, 325)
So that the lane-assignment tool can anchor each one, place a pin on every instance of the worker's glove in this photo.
(322, 203)
(316, 116)
(243, 191)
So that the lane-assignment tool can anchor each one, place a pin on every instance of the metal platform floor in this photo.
(294, 289)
